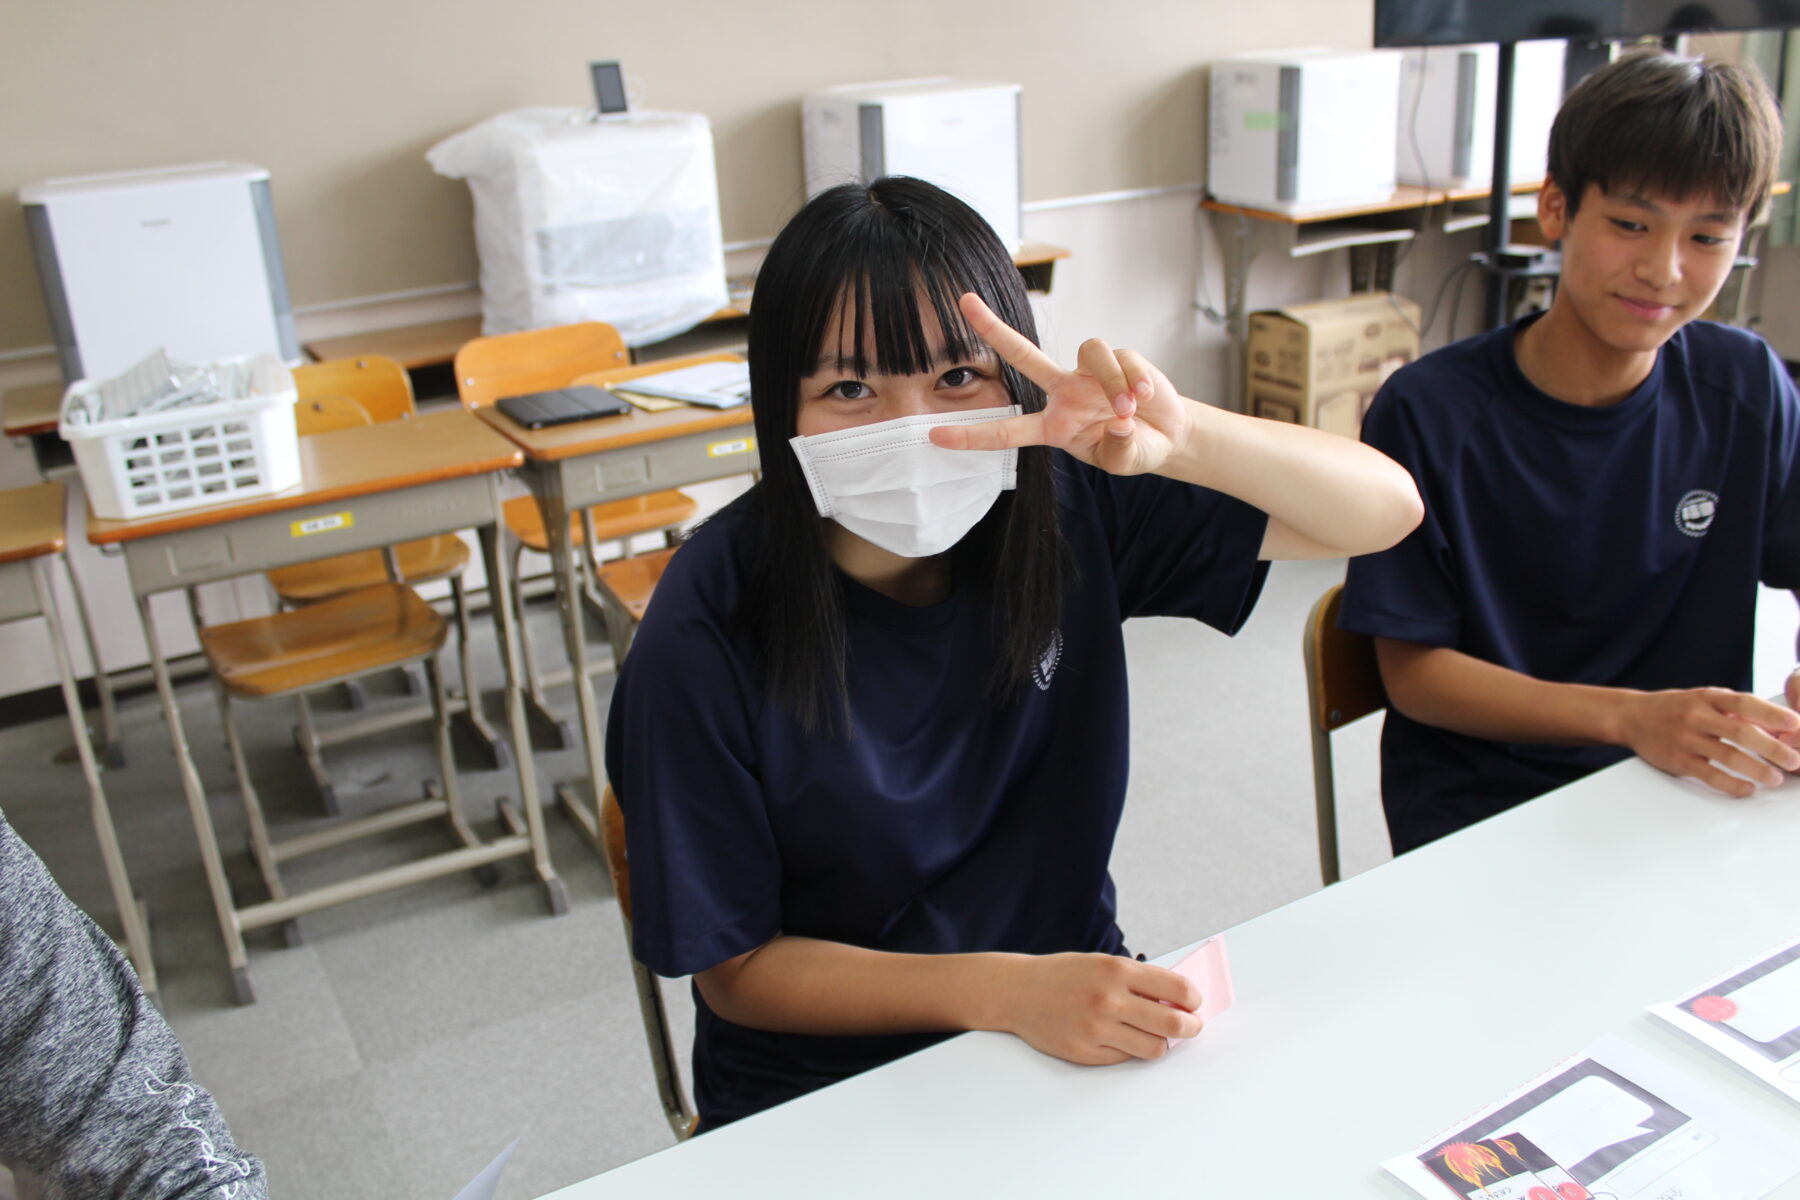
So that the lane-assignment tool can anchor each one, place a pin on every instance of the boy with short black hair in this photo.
(1605, 484)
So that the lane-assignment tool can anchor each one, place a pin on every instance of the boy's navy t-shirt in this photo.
(1619, 546)
(948, 822)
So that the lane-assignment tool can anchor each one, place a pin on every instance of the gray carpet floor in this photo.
(413, 1036)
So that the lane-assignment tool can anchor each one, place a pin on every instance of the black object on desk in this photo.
(536, 410)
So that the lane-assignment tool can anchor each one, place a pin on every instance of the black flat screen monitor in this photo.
(1452, 22)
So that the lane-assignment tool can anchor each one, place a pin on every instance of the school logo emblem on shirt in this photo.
(1046, 664)
(1694, 515)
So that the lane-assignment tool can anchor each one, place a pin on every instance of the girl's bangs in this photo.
(879, 304)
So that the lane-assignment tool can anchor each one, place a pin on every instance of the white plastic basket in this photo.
(161, 462)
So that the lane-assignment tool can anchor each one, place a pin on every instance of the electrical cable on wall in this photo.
(1418, 151)
(1203, 302)
(1450, 277)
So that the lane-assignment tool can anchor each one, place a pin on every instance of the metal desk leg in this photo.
(195, 791)
(556, 893)
(497, 749)
(131, 911)
(582, 808)
(112, 740)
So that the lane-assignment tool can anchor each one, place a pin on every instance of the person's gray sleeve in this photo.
(95, 1094)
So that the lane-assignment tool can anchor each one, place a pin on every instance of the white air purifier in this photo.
(1446, 118)
(1303, 129)
(185, 258)
(962, 136)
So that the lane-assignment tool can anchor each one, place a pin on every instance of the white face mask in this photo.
(889, 485)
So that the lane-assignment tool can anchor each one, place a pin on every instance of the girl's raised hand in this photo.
(1115, 410)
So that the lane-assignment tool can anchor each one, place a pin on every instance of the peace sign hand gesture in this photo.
(1115, 410)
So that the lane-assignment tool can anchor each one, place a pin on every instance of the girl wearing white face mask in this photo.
(871, 738)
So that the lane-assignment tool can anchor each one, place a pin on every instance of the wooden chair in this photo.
(657, 1038)
(370, 629)
(364, 391)
(626, 585)
(1343, 684)
(510, 364)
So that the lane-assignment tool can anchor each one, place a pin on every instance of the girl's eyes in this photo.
(848, 389)
(955, 379)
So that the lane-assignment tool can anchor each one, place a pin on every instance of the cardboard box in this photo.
(1321, 363)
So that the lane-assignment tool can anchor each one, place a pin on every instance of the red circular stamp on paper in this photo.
(1715, 1008)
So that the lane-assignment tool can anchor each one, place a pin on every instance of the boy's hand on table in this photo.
(1695, 732)
(1096, 1009)
(1792, 736)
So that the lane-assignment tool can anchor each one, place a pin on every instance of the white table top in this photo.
(1370, 1017)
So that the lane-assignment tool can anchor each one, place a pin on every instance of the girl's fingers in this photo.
(1138, 375)
(1097, 359)
(1007, 432)
(1009, 343)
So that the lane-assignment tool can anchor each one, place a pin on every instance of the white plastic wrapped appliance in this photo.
(578, 219)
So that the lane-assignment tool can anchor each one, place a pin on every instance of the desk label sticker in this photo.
(325, 524)
(1613, 1123)
(1750, 1016)
(735, 446)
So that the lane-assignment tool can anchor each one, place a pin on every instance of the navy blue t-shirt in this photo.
(1619, 546)
(947, 822)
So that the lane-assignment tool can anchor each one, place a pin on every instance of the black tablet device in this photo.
(609, 87)
(539, 409)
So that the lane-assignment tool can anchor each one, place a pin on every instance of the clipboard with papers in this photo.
(713, 384)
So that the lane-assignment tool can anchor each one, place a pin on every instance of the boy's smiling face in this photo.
(1637, 267)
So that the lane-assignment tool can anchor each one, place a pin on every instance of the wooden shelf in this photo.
(1402, 199)
(33, 409)
(1343, 237)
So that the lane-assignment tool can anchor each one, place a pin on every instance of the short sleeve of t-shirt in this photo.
(705, 874)
(1408, 592)
(1781, 545)
(1178, 550)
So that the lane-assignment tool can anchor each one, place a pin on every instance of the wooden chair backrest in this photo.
(379, 386)
(322, 414)
(535, 360)
(612, 836)
(1343, 677)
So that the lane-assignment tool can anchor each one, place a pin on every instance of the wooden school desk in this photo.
(1370, 1017)
(573, 467)
(31, 538)
(361, 488)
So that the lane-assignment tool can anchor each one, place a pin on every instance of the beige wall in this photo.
(340, 99)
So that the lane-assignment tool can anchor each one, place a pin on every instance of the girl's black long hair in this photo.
(876, 252)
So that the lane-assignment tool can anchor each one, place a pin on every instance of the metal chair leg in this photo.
(1325, 807)
(619, 629)
(306, 740)
(446, 755)
(261, 849)
(676, 1109)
